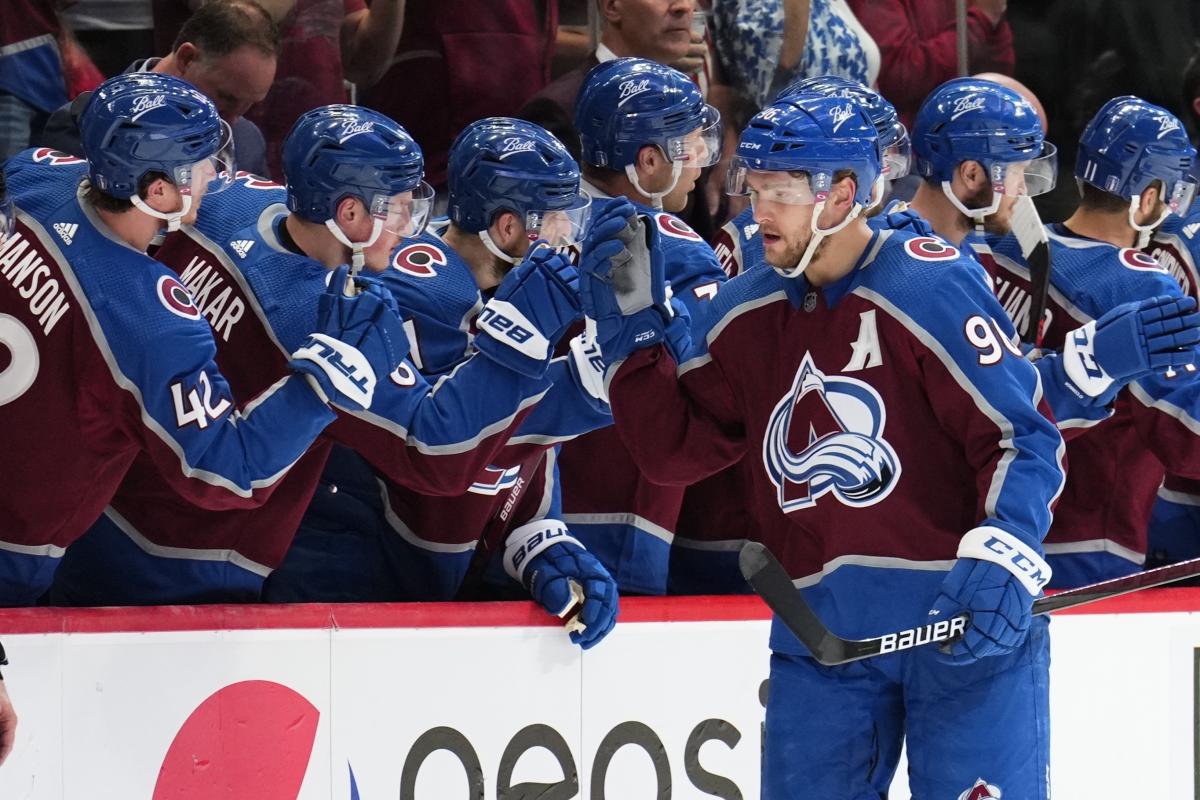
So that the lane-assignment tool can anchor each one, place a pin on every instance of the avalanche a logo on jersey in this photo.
(46, 155)
(496, 480)
(176, 298)
(982, 790)
(676, 228)
(1136, 259)
(930, 248)
(826, 435)
(419, 260)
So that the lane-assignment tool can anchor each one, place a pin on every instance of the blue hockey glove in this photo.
(622, 282)
(358, 338)
(560, 574)
(996, 579)
(533, 307)
(1131, 341)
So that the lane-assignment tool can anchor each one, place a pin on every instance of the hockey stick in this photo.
(1031, 236)
(768, 578)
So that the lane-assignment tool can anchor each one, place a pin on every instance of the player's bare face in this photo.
(783, 207)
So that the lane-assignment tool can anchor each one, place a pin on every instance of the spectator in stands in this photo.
(325, 44)
(1190, 97)
(228, 50)
(766, 44)
(658, 30)
(110, 30)
(31, 73)
(919, 44)
(463, 61)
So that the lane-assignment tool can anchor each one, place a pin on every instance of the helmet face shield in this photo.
(561, 227)
(700, 147)
(771, 186)
(1180, 196)
(897, 156)
(213, 174)
(404, 214)
(1034, 177)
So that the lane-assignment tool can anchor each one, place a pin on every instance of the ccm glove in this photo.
(560, 574)
(532, 309)
(622, 282)
(358, 337)
(1131, 341)
(996, 579)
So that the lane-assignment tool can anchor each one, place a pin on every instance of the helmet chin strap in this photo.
(977, 214)
(357, 258)
(655, 197)
(173, 218)
(818, 234)
(494, 248)
(1144, 231)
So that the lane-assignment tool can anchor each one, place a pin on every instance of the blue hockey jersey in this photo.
(892, 417)
(623, 517)
(152, 547)
(1174, 533)
(112, 363)
(1099, 528)
(430, 543)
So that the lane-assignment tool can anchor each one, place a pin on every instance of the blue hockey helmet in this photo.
(338, 151)
(967, 119)
(503, 164)
(893, 136)
(143, 123)
(628, 103)
(1129, 145)
(807, 140)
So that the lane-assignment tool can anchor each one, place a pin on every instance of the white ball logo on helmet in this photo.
(631, 89)
(515, 144)
(147, 103)
(964, 105)
(1166, 124)
(350, 128)
(840, 114)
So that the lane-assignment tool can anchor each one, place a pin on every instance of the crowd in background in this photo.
(437, 66)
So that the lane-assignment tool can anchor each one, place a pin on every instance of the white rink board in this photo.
(657, 702)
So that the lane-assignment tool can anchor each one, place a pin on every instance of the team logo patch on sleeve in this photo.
(1136, 259)
(176, 297)
(929, 248)
(676, 228)
(46, 155)
(419, 260)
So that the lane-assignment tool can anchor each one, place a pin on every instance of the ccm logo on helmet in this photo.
(419, 260)
(928, 248)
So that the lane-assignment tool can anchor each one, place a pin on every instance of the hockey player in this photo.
(646, 133)
(512, 186)
(714, 521)
(111, 360)
(1135, 169)
(354, 188)
(737, 246)
(1174, 533)
(901, 463)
